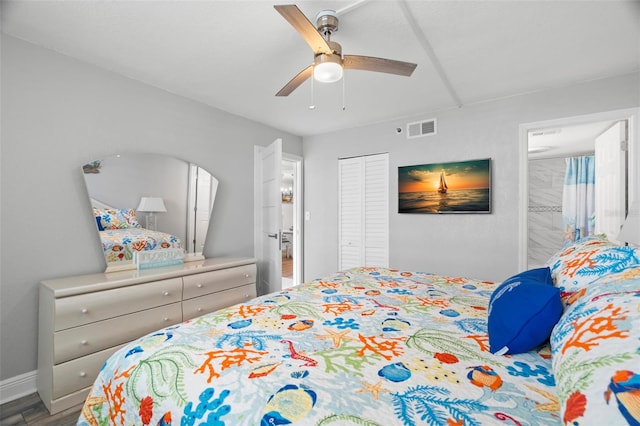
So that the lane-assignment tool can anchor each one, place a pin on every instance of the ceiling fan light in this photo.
(327, 68)
(327, 72)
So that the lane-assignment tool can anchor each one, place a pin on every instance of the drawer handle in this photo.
(246, 296)
(83, 374)
(199, 309)
(84, 343)
(84, 310)
(199, 285)
(246, 275)
(166, 293)
(166, 319)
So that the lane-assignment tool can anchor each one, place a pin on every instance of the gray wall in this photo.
(484, 246)
(58, 114)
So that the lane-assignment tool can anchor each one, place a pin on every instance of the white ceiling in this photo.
(570, 140)
(235, 55)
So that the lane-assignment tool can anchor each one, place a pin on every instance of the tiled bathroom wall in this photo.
(546, 178)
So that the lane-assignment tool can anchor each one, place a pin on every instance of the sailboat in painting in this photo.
(442, 188)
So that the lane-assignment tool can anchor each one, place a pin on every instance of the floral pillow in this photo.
(116, 218)
(578, 265)
(596, 352)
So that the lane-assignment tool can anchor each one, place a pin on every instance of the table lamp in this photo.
(151, 205)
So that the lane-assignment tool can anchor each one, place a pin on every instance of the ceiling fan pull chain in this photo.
(313, 102)
(343, 95)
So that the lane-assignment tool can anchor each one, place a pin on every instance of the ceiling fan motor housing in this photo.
(327, 22)
(324, 57)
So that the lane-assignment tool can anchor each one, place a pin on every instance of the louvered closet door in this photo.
(376, 210)
(363, 211)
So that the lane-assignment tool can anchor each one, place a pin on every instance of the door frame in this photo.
(298, 223)
(632, 115)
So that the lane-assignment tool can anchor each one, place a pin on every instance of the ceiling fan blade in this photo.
(369, 63)
(302, 25)
(296, 81)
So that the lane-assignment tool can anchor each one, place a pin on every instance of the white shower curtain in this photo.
(578, 198)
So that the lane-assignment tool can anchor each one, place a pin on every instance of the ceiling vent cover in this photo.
(418, 129)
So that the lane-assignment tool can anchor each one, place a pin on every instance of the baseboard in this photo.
(18, 386)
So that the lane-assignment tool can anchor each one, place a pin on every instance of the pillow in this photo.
(99, 223)
(117, 218)
(595, 352)
(577, 266)
(541, 275)
(522, 312)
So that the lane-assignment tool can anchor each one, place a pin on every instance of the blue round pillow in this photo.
(523, 311)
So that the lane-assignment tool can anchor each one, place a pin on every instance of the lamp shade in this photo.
(327, 72)
(327, 68)
(151, 204)
(630, 231)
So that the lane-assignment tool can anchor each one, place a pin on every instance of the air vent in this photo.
(421, 128)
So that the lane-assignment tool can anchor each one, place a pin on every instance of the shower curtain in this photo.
(578, 198)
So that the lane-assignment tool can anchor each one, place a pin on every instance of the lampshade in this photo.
(151, 204)
(327, 68)
(630, 231)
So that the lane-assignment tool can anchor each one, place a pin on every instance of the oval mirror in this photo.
(150, 209)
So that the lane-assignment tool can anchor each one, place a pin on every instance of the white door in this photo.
(269, 216)
(350, 232)
(610, 188)
(376, 210)
(202, 193)
(363, 210)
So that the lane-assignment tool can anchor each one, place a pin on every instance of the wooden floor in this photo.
(287, 267)
(30, 410)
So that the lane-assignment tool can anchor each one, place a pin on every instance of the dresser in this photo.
(86, 318)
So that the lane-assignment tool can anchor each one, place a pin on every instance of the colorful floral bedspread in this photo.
(120, 244)
(363, 347)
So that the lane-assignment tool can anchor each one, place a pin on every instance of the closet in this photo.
(363, 211)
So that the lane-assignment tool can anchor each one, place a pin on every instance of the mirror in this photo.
(150, 209)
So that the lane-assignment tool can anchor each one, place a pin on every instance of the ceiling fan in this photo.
(328, 61)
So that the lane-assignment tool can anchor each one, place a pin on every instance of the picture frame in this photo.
(452, 187)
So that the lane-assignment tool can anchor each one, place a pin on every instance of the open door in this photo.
(267, 165)
(611, 180)
(202, 192)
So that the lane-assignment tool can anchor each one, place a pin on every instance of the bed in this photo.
(374, 346)
(126, 242)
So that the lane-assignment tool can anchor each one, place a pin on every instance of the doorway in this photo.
(541, 229)
(549, 150)
(291, 195)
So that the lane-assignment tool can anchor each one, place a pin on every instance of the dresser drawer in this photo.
(78, 374)
(80, 341)
(87, 308)
(222, 279)
(212, 302)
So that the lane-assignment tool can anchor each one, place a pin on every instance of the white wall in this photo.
(59, 113)
(484, 246)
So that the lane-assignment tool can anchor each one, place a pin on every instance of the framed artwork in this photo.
(456, 187)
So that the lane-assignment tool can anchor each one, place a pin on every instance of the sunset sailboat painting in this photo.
(457, 187)
(442, 188)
